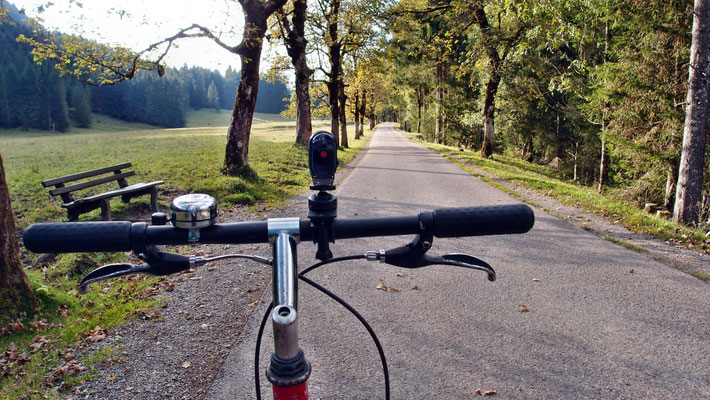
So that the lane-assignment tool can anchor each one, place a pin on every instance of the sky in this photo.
(138, 23)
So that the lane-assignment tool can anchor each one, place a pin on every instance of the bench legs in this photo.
(154, 199)
(153, 191)
(105, 210)
(104, 204)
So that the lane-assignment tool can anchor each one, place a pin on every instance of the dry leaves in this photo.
(186, 364)
(38, 343)
(536, 279)
(386, 288)
(523, 308)
(96, 335)
(11, 358)
(70, 368)
(488, 392)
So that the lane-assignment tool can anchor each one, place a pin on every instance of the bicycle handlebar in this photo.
(118, 236)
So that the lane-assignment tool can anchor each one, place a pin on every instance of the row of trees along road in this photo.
(602, 89)
(597, 88)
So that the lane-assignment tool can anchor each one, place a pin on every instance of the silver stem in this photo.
(284, 272)
(285, 323)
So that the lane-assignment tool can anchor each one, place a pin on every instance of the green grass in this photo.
(543, 179)
(188, 160)
(625, 244)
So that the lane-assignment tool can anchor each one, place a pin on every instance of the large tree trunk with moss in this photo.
(256, 13)
(692, 159)
(16, 296)
(296, 48)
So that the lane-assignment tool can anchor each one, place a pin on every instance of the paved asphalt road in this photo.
(594, 329)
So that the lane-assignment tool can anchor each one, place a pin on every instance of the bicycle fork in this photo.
(288, 369)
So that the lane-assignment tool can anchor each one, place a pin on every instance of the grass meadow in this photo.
(187, 159)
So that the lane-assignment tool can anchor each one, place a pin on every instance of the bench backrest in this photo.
(65, 191)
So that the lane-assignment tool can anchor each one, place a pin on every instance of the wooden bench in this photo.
(76, 207)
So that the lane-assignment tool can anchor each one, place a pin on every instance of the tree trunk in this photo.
(356, 112)
(341, 115)
(692, 158)
(437, 106)
(236, 159)
(420, 104)
(528, 150)
(363, 110)
(16, 296)
(489, 111)
(297, 51)
(671, 182)
(603, 161)
(334, 59)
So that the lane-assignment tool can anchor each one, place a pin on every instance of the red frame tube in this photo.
(298, 392)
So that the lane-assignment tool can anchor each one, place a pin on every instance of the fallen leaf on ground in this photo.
(394, 289)
(186, 364)
(112, 378)
(523, 308)
(70, 368)
(630, 271)
(96, 338)
(415, 287)
(400, 274)
(488, 392)
(205, 326)
(536, 279)
(382, 287)
(38, 342)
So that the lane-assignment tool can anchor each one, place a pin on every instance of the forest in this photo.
(36, 96)
(595, 89)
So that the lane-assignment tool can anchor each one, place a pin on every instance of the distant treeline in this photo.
(35, 96)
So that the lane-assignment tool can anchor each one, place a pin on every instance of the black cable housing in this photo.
(342, 302)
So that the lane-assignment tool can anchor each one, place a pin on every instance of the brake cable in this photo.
(342, 302)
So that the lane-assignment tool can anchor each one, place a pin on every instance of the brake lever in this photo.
(465, 261)
(156, 263)
(413, 255)
(111, 271)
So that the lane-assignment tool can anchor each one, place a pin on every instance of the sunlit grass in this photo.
(187, 159)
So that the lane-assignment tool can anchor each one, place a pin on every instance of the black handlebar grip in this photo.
(479, 221)
(78, 237)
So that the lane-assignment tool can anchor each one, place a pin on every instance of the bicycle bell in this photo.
(193, 211)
